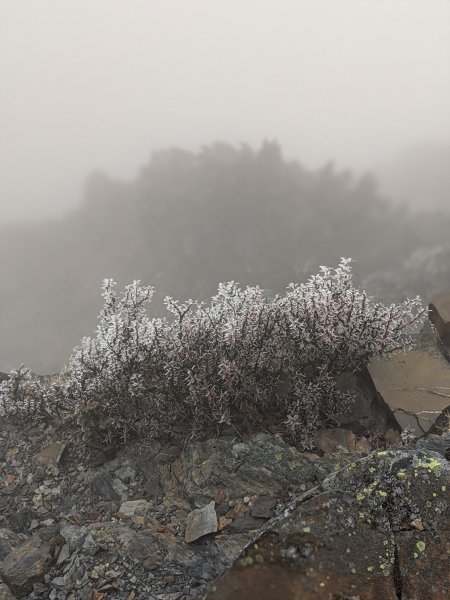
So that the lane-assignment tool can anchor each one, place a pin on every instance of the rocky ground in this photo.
(377, 528)
(164, 522)
(138, 525)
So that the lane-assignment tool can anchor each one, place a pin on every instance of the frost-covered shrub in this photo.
(24, 396)
(118, 369)
(241, 360)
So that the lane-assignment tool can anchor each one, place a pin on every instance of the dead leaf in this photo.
(223, 522)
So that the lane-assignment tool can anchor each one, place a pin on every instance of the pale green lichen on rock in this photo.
(420, 545)
(247, 561)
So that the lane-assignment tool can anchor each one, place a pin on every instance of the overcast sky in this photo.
(99, 84)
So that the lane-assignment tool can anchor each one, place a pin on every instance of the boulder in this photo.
(440, 317)
(262, 466)
(28, 563)
(415, 384)
(442, 423)
(369, 413)
(376, 529)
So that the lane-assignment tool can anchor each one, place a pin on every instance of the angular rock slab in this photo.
(263, 465)
(28, 563)
(357, 537)
(369, 413)
(415, 384)
(440, 317)
(200, 522)
(442, 423)
(130, 507)
(50, 455)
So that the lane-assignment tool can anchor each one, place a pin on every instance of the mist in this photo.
(189, 143)
(99, 86)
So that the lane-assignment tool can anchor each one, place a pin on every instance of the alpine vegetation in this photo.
(26, 396)
(242, 360)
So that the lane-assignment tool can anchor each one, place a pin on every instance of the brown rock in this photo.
(344, 539)
(334, 440)
(263, 507)
(414, 385)
(424, 564)
(362, 444)
(296, 560)
(50, 455)
(223, 522)
(245, 523)
(28, 563)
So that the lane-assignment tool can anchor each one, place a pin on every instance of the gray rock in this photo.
(263, 467)
(5, 592)
(60, 583)
(102, 488)
(369, 412)
(436, 443)
(154, 468)
(9, 540)
(413, 384)
(245, 523)
(200, 522)
(131, 507)
(72, 534)
(143, 545)
(263, 507)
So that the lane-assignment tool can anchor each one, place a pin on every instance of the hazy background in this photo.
(99, 84)
(90, 90)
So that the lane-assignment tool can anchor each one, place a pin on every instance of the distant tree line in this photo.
(191, 220)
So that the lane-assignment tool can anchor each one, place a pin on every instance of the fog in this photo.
(189, 143)
(98, 86)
